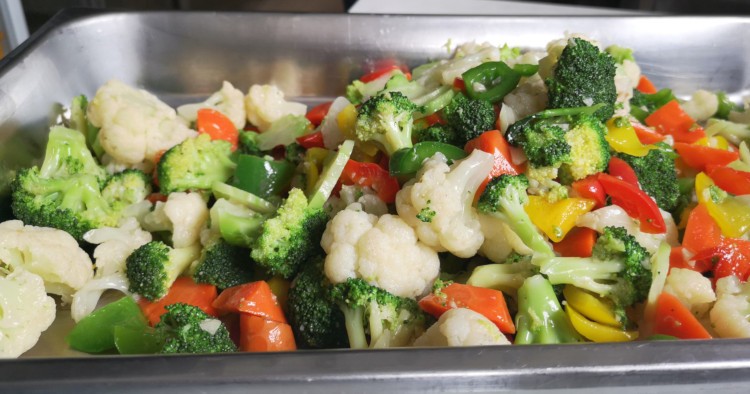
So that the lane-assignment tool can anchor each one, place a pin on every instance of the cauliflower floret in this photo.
(265, 104)
(500, 240)
(702, 105)
(613, 215)
(383, 251)
(692, 288)
(184, 214)
(52, 254)
(627, 76)
(529, 97)
(135, 125)
(25, 311)
(228, 100)
(115, 245)
(365, 196)
(438, 203)
(462, 327)
(729, 316)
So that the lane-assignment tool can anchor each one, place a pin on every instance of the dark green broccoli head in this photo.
(195, 164)
(248, 143)
(289, 237)
(589, 152)
(469, 117)
(126, 188)
(657, 176)
(615, 244)
(72, 204)
(388, 120)
(152, 268)
(544, 144)
(583, 76)
(317, 321)
(187, 329)
(502, 191)
(224, 265)
(440, 133)
(295, 153)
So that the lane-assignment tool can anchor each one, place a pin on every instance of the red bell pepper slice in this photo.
(635, 202)
(619, 168)
(646, 135)
(731, 257)
(384, 69)
(673, 318)
(318, 112)
(313, 140)
(183, 290)
(371, 175)
(645, 85)
(591, 189)
(671, 119)
(255, 298)
(699, 156)
(218, 126)
(701, 232)
(579, 242)
(487, 302)
(729, 179)
(459, 84)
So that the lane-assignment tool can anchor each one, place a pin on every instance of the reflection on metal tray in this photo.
(182, 56)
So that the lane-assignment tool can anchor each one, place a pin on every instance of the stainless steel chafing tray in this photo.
(184, 56)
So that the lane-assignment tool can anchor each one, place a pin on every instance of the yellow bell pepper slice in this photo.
(716, 141)
(556, 219)
(598, 332)
(591, 306)
(314, 158)
(730, 213)
(622, 138)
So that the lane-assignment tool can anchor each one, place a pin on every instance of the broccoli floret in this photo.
(126, 188)
(223, 265)
(544, 144)
(289, 237)
(439, 133)
(540, 318)
(195, 164)
(583, 76)
(388, 120)
(504, 198)
(469, 117)
(589, 153)
(657, 176)
(152, 268)
(643, 104)
(237, 224)
(376, 318)
(506, 277)
(618, 269)
(620, 54)
(65, 192)
(295, 154)
(248, 143)
(317, 321)
(187, 329)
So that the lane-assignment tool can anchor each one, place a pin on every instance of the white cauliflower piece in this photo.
(627, 76)
(438, 203)
(365, 196)
(613, 215)
(25, 312)
(135, 125)
(692, 289)
(729, 316)
(529, 97)
(184, 214)
(265, 104)
(468, 56)
(462, 327)
(383, 251)
(702, 105)
(229, 100)
(52, 254)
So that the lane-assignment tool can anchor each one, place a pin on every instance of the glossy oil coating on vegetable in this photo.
(493, 197)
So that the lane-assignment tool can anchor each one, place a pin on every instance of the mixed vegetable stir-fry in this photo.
(494, 197)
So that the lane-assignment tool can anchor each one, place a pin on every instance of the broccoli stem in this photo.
(581, 272)
(506, 277)
(540, 317)
(331, 172)
(355, 328)
(520, 223)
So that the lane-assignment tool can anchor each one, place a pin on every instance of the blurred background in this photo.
(19, 18)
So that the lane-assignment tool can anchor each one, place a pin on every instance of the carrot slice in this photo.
(487, 302)
(217, 126)
(673, 318)
(254, 298)
(262, 335)
(184, 290)
(702, 231)
(579, 242)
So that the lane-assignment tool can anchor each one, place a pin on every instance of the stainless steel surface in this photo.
(180, 56)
